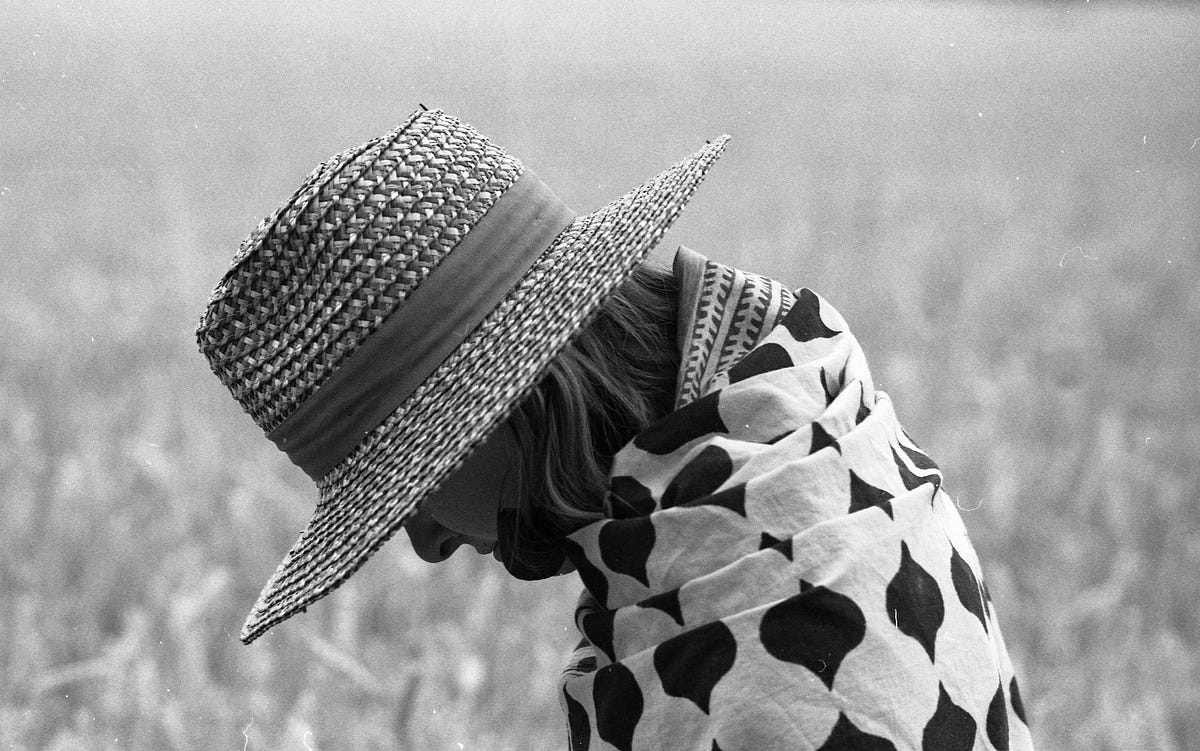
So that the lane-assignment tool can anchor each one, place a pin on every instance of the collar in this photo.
(723, 313)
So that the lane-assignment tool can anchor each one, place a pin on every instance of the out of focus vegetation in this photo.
(1004, 201)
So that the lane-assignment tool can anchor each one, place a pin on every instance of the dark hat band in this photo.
(467, 284)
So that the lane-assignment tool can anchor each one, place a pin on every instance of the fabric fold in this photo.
(801, 579)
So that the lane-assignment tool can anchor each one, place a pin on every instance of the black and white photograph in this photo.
(496, 376)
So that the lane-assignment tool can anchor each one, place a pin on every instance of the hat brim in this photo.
(370, 494)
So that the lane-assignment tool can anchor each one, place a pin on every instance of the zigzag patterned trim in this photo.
(715, 288)
(735, 309)
(585, 657)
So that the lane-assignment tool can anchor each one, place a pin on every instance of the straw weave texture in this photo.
(364, 229)
(362, 232)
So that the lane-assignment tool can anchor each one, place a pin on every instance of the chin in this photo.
(535, 568)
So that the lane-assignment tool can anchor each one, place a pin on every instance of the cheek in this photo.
(469, 499)
(466, 507)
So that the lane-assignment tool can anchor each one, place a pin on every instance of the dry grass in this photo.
(1038, 337)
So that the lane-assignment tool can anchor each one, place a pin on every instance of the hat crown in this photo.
(362, 232)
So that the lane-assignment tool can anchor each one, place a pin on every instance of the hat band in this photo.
(467, 284)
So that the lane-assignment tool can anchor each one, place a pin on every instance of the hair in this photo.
(615, 378)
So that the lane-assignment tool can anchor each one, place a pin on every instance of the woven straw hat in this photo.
(386, 318)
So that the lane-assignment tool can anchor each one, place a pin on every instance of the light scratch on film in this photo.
(246, 735)
(1082, 252)
(961, 507)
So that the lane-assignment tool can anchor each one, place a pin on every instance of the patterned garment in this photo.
(780, 567)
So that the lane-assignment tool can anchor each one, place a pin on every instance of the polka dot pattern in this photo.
(690, 664)
(804, 584)
(914, 601)
(846, 737)
(831, 623)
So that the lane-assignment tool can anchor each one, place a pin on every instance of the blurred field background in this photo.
(1003, 200)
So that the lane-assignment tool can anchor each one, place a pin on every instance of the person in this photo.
(768, 559)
